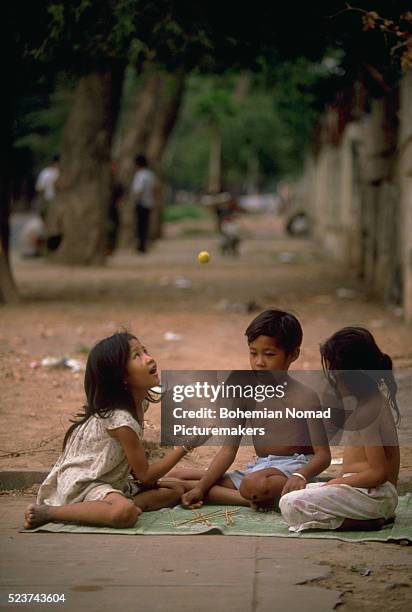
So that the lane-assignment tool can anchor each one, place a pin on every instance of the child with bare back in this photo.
(90, 484)
(286, 460)
(365, 496)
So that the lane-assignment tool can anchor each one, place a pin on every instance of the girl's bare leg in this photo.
(114, 511)
(168, 494)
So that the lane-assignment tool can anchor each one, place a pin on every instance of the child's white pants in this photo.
(326, 507)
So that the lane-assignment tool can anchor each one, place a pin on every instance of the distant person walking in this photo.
(143, 193)
(46, 188)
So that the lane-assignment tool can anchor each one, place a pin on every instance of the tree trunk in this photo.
(405, 179)
(8, 290)
(380, 197)
(242, 87)
(215, 163)
(138, 123)
(164, 123)
(167, 112)
(147, 128)
(252, 174)
(84, 187)
(137, 128)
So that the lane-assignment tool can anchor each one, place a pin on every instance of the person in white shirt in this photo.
(47, 178)
(46, 188)
(143, 192)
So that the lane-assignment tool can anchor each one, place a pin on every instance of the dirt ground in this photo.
(65, 310)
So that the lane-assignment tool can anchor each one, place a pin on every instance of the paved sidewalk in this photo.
(167, 573)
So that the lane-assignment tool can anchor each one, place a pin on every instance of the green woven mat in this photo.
(245, 522)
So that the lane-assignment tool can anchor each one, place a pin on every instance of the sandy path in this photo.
(65, 310)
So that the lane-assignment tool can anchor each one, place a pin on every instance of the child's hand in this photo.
(193, 498)
(197, 441)
(335, 481)
(294, 483)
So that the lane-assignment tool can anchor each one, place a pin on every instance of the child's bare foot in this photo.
(35, 516)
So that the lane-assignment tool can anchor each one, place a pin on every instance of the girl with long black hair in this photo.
(90, 483)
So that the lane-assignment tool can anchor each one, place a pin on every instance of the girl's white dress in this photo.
(93, 463)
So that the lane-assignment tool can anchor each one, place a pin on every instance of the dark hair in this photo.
(104, 380)
(282, 326)
(140, 160)
(354, 348)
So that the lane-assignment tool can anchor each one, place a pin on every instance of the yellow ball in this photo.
(203, 257)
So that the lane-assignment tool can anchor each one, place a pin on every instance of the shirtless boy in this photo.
(286, 458)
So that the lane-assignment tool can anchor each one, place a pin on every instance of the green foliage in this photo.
(87, 35)
(299, 92)
(40, 121)
(215, 105)
(265, 132)
(179, 212)
(253, 137)
(264, 135)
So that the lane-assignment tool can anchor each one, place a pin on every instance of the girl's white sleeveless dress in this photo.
(93, 463)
